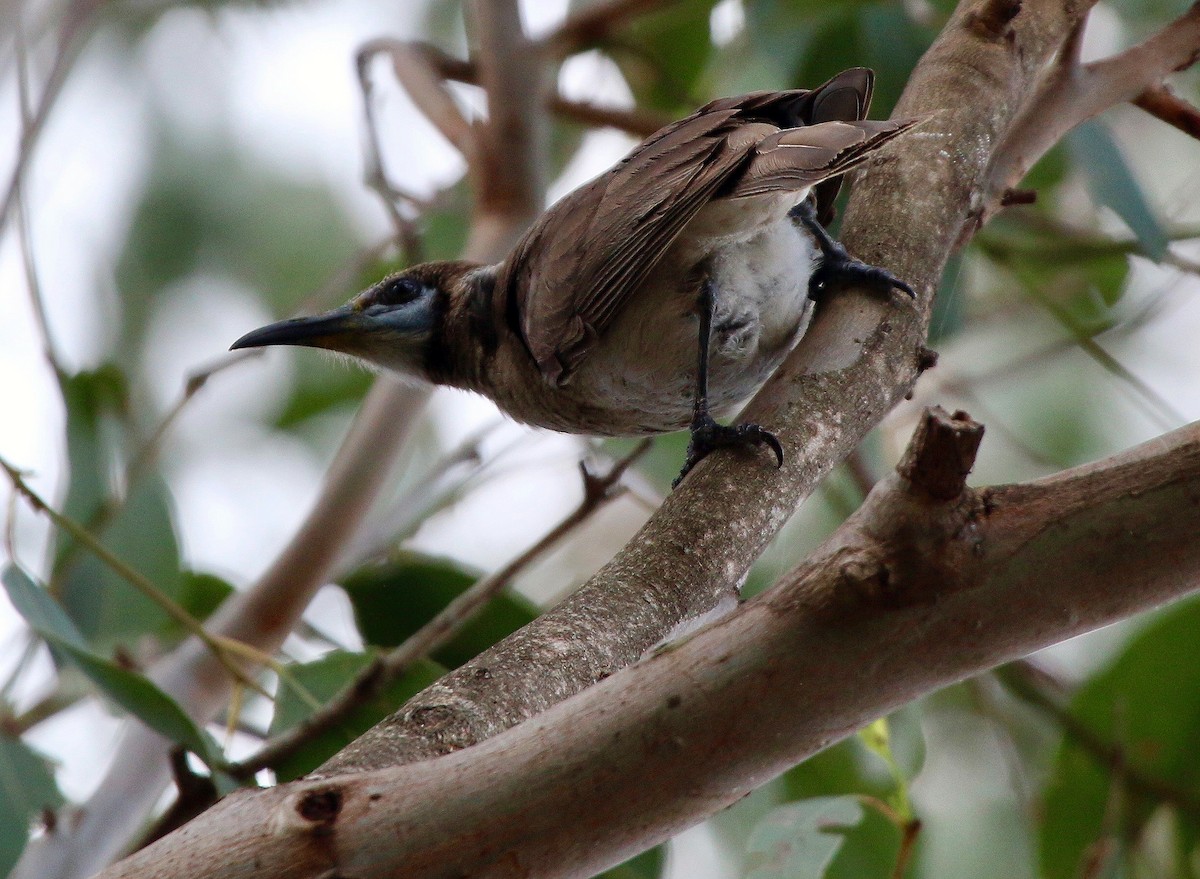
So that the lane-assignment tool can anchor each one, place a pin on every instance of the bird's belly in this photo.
(642, 373)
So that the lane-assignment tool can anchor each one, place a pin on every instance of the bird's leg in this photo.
(707, 434)
(837, 267)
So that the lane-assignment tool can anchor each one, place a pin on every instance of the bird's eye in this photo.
(398, 291)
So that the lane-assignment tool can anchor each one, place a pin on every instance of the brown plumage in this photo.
(590, 325)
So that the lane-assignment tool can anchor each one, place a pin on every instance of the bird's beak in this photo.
(319, 331)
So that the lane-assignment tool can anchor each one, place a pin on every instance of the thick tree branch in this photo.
(858, 359)
(1071, 93)
(912, 593)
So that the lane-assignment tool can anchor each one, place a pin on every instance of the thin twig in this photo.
(910, 829)
(597, 491)
(24, 232)
(74, 33)
(1162, 103)
(633, 120)
(402, 207)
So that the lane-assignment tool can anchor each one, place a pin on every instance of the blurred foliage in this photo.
(394, 600)
(1130, 755)
(209, 212)
(27, 791)
(798, 840)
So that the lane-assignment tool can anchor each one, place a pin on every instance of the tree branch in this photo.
(1161, 103)
(912, 593)
(1071, 93)
(597, 492)
(594, 24)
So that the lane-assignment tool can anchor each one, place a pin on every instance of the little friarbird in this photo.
(667, 289)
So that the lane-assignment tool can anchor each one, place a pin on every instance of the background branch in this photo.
(1070, 94)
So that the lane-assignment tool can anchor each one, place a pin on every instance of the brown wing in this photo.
(574, 270)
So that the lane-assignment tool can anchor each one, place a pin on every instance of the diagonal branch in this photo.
(597, 492)
(912, 593)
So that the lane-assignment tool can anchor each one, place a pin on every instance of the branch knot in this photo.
(941, 454)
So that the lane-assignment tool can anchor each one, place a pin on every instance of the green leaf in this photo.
(1049, 171)
(1112, 184)
(139, 530)
(27, 788)
(128, 689)
(203, 593)
(37, 608)
(393, 600)
(849, 769)
(140, 697)
(323, 385)
(883, 37)
(200, 595)
(94, 400)
(799, 840)
(1134, 704)
(323, 679)
(107, 609)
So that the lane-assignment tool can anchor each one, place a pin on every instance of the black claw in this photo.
(842, 270)
(708, 436)
(838, 268)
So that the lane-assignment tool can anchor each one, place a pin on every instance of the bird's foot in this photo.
(837, 267)
(842, 270)
(708, 435)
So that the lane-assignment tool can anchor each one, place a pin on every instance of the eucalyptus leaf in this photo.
(1134, 704)
(799, 840)
(104, 605)
(393, 600)
(27, 789)
(1112, 184)
(129, 689)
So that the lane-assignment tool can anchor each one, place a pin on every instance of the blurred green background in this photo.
(201, 172)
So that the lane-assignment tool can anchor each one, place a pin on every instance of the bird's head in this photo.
(388, 325)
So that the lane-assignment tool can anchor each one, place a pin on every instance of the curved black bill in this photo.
(314, 332)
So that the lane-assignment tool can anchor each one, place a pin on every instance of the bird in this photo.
(659, 295)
